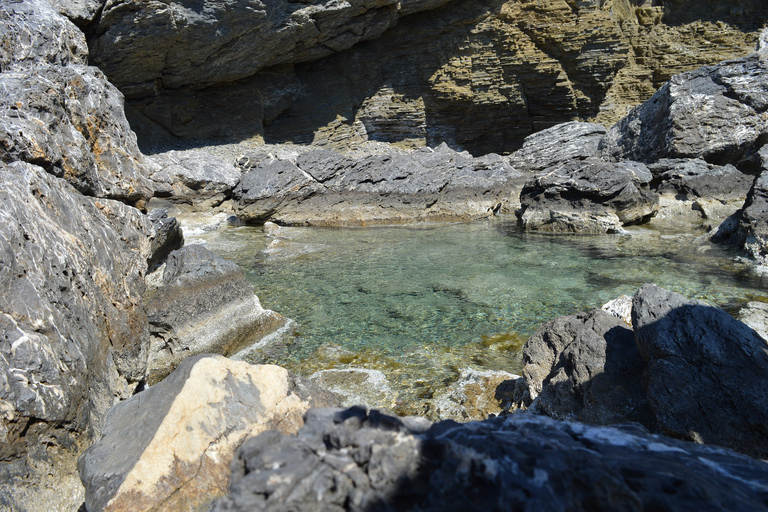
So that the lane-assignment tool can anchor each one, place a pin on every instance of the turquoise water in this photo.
(421, 302)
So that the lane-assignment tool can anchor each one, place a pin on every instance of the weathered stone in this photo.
(755, 315)
(620, 307)
(357, 386)
(167, 236)
(203, 304)
(557, 145)
(707, 374)
(170, 446)
(70, 121)
(692, 179)
(195, 177)
(31, 33)
(588, 196)
(716, 113)
(73, 333)
(350, 460)
(476, 395)
(326, 188)
(80, 12)
(584, 367)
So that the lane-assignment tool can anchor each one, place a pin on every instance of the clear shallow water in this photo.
(421, 302)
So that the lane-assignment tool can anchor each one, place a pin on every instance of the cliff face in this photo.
(479, 75)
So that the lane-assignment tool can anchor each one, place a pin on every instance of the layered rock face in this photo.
(455, 74)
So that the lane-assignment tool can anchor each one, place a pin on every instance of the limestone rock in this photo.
(587, 196)
(707, 374)
(70, 121)
(196, 177)
(170, 446)
(693, 179)
(80, 12)
(357, 386)
(716, 113)
(327, 188)
(203, 304)
(73, 332)
(476, 395)
(167, 236)
(557, 145)
(620, 307)
(353, 460)
(755, 315)
(584, 367)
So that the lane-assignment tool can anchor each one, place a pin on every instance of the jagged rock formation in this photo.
(170, 447)
(478, 75)
(358, 461)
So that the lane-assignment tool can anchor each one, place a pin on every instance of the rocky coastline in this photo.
(122, 386)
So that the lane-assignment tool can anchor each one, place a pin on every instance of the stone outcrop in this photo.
(478, 75)
(167, 236)
(202, 304)
(557, 145)
(353, 460)
(170, 447)
(588, 196)
(324, 187)
(74, 334)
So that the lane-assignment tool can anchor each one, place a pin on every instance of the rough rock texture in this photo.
(557, 145)
(350, 460)
(588, 196)
(167, 236)
(476, 395)
(169, 448)
(357, 386)
(478, 75)
(326, 188)
(146, 45)
(74, 335)
(203, 304)
(755, 315)
(717, 113)
(584, 367)
(195, 177)
(707, 373)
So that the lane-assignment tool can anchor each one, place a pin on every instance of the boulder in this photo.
(80, 12)
(170, 447)
(145, 45)
(353, 460)
(587, 196)
(755, 315)
(70, 121)
(196, 177)
(203, 303)
(716, 113)
(476, 395)
(73, 332)
(554, 146)
(706, 376)
(326, 188)
(584, 367)
(167, 236)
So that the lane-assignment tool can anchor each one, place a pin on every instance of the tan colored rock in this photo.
(170, 447)
(476, 395)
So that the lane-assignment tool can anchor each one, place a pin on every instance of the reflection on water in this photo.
(421, 302)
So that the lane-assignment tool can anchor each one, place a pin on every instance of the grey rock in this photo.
(144, 45)
(326, 188)
(715, 113)
(80, 12)
(588, 196)
(70, 121)
(476, 395)
(167, 236)
(559, 144)
(204, 304)
(692, 179)
(707, 374)
(357, 386)
(755, 315)
(584, 367)
(194, 177)
(73, 332)
(32, 33)
(353, 460)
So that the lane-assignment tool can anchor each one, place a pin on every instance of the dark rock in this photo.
(557, 145)
(70, 121)
(73, 332)
(169, 448)
(707, 374)
(692, 179)
(326, 188)
(167, 236)
(358, 461)
(203, 303)
(588, 196)
(716, 113)
(584, 367)
(195, 177)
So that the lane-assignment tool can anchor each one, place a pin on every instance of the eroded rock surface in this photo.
(170, 447)
(353, 460)
(557, 145)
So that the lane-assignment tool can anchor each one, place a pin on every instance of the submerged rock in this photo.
(203, 304)
(354, 460)
(356, 386)
(476, 395)
(588, 196)
(169, 448)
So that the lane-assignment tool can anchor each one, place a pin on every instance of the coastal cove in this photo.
(421, 302)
